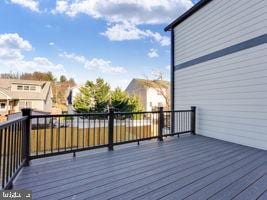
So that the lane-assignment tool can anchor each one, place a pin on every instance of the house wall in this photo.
(15, 85)
(47, 104)
(73, 92)
(135, 89)
(155, 99)
(228, 87)
(10, 106)
(148, 97)
(35, 104)
(3, 111)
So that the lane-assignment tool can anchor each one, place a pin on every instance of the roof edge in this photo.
(187, 14)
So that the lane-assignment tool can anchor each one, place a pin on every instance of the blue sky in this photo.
(84, 39)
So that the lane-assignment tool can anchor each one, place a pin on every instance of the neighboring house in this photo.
(219, 64)
(16, 94)
(72, 93)
(152, 94)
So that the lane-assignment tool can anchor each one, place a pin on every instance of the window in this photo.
(26, 87)
(32, 88)
(2, 106)
(19, 87)
(150, 104)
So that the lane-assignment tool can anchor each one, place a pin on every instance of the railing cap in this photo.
(26, 111)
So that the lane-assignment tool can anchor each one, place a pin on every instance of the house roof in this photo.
(187, 14)
(5, 89)
(4, 93)
(151, 83)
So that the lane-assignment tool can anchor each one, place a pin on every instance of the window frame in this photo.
(2, 108)
(33, 88)
(26, 86)
(20, 86)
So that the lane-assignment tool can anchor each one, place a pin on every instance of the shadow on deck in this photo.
(191, 167)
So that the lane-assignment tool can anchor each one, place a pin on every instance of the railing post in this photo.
(26, 142)
(193, 120)
(161, 124)
(110, 129)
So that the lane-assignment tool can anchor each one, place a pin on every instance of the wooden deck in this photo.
(192, 167)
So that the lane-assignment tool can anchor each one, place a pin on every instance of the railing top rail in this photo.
(104, 114)
(11, 122)
(129, 113)
(177, 111)
(71, 115)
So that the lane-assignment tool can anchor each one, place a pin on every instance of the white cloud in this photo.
(36, 64)
(61, 7)
(14, 41)
(124, 17)
(12, 47)
(72, 56)
(153, 53)
(33, 5)
(163, 40)
(104, 66)
(135, 11)
(51, 43)
(123, 31)
(127, 31)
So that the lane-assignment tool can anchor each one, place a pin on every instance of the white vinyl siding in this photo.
(230, 92)
(218, 25)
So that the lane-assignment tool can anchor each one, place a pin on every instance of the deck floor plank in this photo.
(164, 186)
(236, 187)
(106, 157)
(125, 170)
(166, 170)
(255, 190)
(263, 196)
(192, 167)
(212, 178)
(104, 165)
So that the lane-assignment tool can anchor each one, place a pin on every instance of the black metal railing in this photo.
(37, 136)
(12, 150)
(59, 134)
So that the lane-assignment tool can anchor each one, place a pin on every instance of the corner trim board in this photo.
(224, 52)
(172, 77)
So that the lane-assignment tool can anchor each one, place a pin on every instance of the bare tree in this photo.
(161, 86)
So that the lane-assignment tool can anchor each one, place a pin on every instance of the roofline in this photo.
(187, 14)
(8, 97)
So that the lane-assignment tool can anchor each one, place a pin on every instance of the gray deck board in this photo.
(227, 180)
(255, 190)
(210, 180)
(110, 156)
(107, 164)
(193, 167)
(263, 196)
(117, 172)
(162, 187)
(139, 179)
(232, 190)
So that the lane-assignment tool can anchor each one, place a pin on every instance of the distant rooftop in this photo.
(148, 83)
(7, 93)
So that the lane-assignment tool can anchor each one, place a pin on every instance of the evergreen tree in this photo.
(97, 97)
